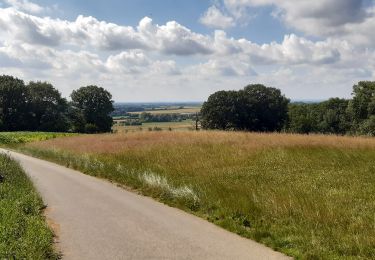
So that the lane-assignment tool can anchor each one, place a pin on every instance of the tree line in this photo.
(38, 106)
(266, 109)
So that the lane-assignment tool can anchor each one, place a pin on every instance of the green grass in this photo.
(26, 137)
(24, 233)
(311, 197)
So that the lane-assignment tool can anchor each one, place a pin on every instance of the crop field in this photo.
(26, 137)
(24, 233)
(311, 197)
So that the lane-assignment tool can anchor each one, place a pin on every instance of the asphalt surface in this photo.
(94, 219)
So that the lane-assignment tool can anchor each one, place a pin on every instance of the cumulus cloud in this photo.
(214, 18)
(171, 38)
(145, 60)
(25, 5)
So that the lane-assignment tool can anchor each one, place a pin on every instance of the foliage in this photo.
(14, 109)
(96, 105)
(255, 108)
(38, 106)
(311, 197)
(49, 109)
(326, 117)
(24, 233)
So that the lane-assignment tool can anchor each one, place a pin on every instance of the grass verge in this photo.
(311, 197)
(24, 233)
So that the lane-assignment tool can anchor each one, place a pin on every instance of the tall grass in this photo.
(312, 197)
(24, 233)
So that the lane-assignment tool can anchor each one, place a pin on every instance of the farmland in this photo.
(24, 233)
(311, 197)
(9, 138)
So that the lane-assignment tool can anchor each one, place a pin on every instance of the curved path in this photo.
(94, 219)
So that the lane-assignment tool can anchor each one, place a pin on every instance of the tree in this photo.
(266, 108)
(220, 111)
(302, 118)
(255, 108)
(49, 109)
(94, 104)
(14, 109)
(334, 117)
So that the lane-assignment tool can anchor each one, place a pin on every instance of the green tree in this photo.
(264, 108)
(334, 117)
(302, 118)
(94, 104)
(14, 109)
(362, 106)
(49, 109)
(221, 111)
(255, 108)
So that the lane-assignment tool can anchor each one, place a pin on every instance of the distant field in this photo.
(186, 110)
(24, 233)
(312, 197)
(165, 126)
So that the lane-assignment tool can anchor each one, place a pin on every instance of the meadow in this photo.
(24, 233)
(311, 197)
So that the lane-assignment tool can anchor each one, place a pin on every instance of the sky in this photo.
(174, 50)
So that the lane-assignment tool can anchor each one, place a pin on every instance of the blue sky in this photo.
(173, 50)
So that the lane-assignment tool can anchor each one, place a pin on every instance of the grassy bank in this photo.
(312, 197)
(24, 233)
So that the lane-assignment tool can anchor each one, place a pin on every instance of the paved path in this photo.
(94, 219)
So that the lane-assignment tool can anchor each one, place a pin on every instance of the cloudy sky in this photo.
(184, 50)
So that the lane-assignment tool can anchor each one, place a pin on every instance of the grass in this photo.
(26, 137)
(24, 233)
(311, 197)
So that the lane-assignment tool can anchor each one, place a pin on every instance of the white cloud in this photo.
(172, 62)
(25, 5)
(214, 18)
(171, 38)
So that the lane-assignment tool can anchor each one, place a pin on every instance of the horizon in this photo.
(177, 51)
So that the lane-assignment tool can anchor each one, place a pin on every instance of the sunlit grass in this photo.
(24, 233)
(312, 197)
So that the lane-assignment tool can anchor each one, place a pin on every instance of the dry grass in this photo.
(117, 143)
(312, 197)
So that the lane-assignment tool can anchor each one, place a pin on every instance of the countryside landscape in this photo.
(212, 141)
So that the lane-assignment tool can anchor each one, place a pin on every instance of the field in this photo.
(24, 233)
(185, 110)
(311, 197)
(8, 138)
(157, 126)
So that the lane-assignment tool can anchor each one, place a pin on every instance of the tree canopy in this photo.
(254, 108)
(39, 106)
(95, 104)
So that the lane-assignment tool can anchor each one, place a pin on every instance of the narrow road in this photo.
(94, 219)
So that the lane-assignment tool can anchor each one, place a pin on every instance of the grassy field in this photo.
(24, 233)
(311, 197)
